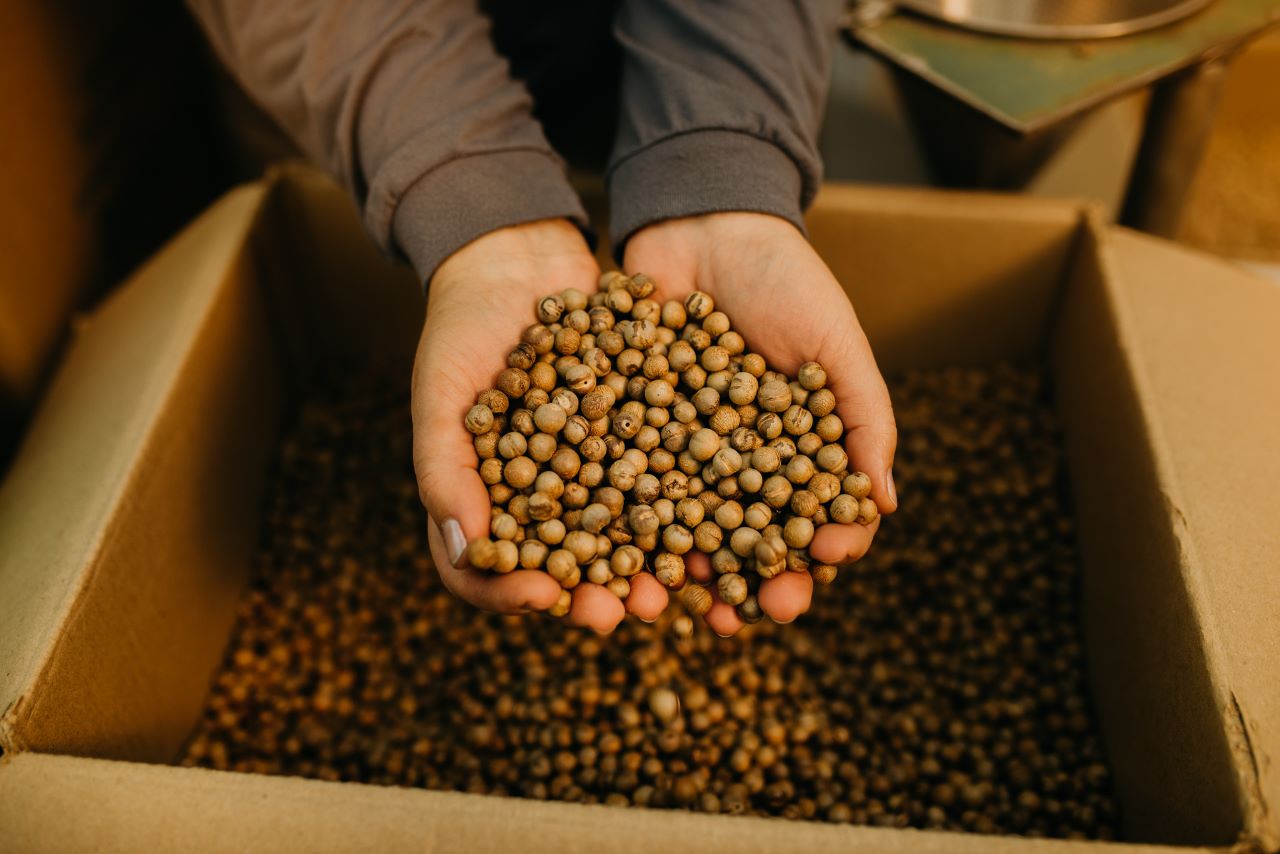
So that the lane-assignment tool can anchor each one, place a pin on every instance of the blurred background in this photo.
(121, 128)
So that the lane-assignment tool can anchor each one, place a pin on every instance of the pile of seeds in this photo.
(941, 684)
(624, 428)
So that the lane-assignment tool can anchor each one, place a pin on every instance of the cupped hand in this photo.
(479, 301)
(790, 309)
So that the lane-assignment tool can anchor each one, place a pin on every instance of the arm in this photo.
(720, 110)
(716, 159)
(407, 103)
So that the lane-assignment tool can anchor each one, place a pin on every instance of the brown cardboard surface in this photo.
(945, 278)
(121, 806)
(1208, 372)
(1162, 720)
(107, 495)
(131, 541)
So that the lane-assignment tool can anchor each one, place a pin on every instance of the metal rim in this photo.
(971, 20)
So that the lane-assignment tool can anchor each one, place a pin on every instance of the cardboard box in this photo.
(130, 515)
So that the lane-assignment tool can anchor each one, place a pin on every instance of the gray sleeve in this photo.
(720, 109)
(408, 104)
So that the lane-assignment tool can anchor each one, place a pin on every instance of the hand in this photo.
(790, 309)
(479, 301)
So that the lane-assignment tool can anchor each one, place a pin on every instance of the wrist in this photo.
(530, 251)
(693, 237)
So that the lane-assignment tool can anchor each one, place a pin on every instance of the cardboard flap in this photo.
(71, 476)
(122, 806)
(1204, 334)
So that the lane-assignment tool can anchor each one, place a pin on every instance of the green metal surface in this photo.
(1028, 84)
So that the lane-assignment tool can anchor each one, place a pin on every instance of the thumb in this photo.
(863, 404)
(445, 461)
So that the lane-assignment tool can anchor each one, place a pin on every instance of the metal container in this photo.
(1056, 19)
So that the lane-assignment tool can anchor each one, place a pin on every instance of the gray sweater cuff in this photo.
(466, 198)
(706, 171)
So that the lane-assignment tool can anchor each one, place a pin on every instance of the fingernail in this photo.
(893, 492)
(455, 543)
(785, 622)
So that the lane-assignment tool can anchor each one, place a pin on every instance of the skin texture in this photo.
(760, 270)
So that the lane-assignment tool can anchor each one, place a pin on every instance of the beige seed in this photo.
(699, 304)
(512, 445)
(726, 462)
(732, 588)
(508, 556)
(797, 420)
(824, 486)
(542, 376)
(669, 569)
(725, 420)
(725, 561)
(568, 340)
(804, 503)
(677, 539)
(520, 472)
(479, 419)
(832, 458)
(750, 610)
(595, 517)
(696, 599)
(857, 484)
(626, 561)
(619, 587)
(844, 509)
(822, 403)
(659, 393)
(551, 532)
(776, 492)
(564, 462)
(703, 444)
(542, 507)
(812, 376)
(491, 471)
(743, 541)
(714, 358)
(486, 444)
(562, 605)
(798, 532)
(482, 553)
(743, 388)
(582, 545)
(513, 382)
(640, 286)
(533, 553)
(707, 536)
(799, 469)
(867, 511)
(823, 573)
(774, 396)
(690, 512)
(550, 309)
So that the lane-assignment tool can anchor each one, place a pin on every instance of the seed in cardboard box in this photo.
(940, 684)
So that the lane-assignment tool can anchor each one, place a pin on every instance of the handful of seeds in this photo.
(625, 433)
